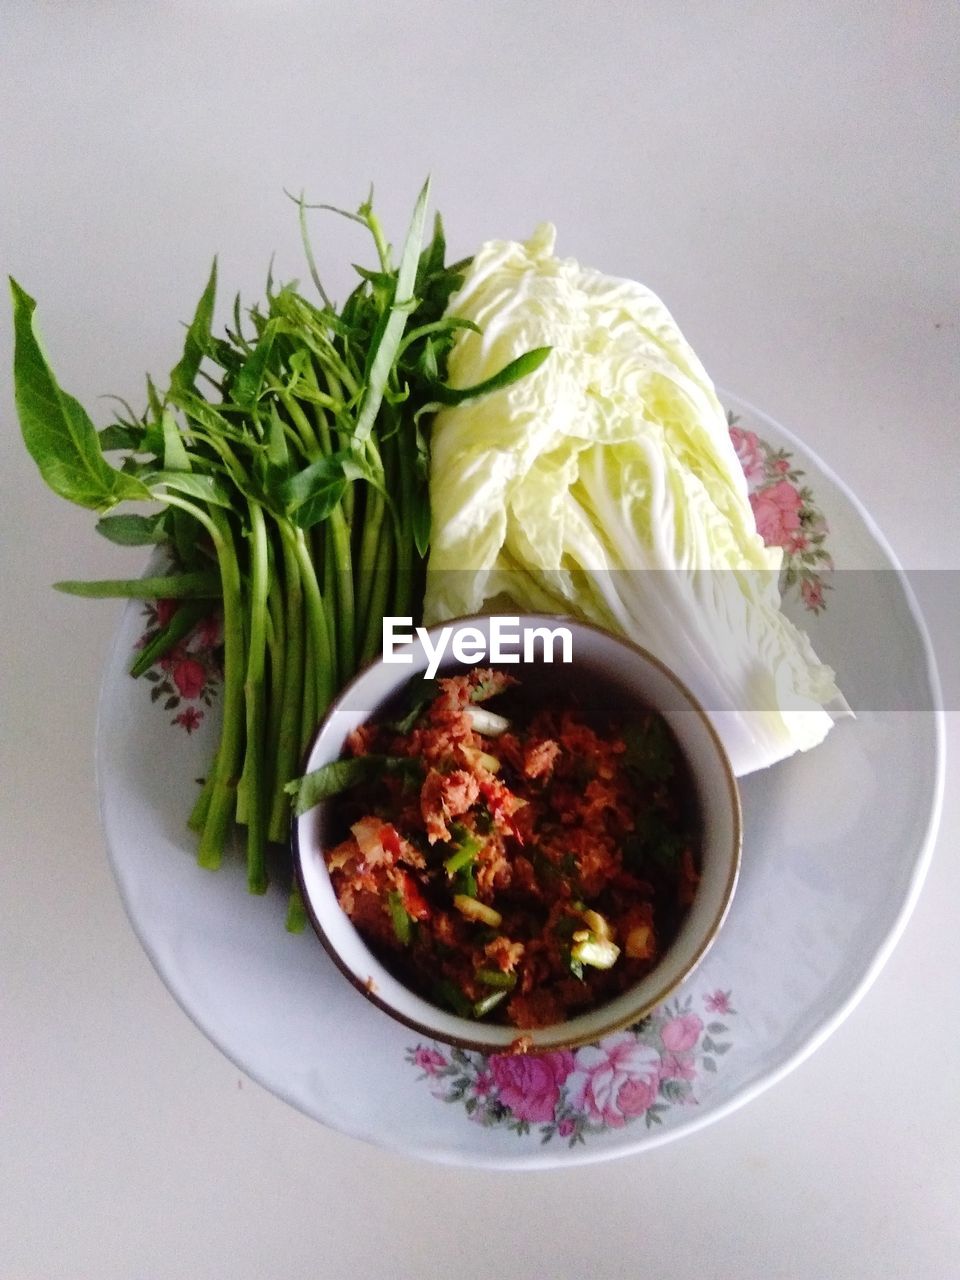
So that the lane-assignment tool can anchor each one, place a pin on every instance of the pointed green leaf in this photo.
(249, 381)
(205, 487)
(174, 586)
(278, 455)
(386, 350)
(420, 520)
(132, 530)
(119, 436)
(59, 435)
(174, 450)
(312, 480)
(184, 373)
(512, 372)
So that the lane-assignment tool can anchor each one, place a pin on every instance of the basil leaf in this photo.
(422, 693)
(59, 435)
(132, 530)
(340, 775)
(205, 487)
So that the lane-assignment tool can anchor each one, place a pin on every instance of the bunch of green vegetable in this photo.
(288, 464)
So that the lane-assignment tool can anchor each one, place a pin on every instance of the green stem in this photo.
(276, 653)
(255, 697)
(337, 559)
(288, 741)
(325, 568)
(300, 420)
(338, 551)
(383, 563)
(368, 553)
(308, 709)
(376, 230)
(227, 763)
(317, 686)
(321, 663)
(201, 806)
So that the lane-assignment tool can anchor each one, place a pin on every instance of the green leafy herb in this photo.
(132, 530)
(651, 751)
(290, 460)
(56, 429)
(421, 694)
(342, 775)
(654, 841)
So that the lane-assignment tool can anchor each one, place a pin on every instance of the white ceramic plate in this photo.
(835, 848)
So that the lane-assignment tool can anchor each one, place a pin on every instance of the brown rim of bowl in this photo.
(617, 1024)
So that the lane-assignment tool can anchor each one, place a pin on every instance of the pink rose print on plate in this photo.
(749, 452)
(812, 593)
(777, 513)
(718, 1002)
(165, 611)
(639, 1073)
(785, 514)
(430, 1061)
(678, 1066)
(190, 671)
(614, 1080)
(209, 631)
(189, 677)
(530, 1086)
(681, 1034)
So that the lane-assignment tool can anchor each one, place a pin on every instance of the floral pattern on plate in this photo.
(786, 514)
(641, 1072)
(187, 677)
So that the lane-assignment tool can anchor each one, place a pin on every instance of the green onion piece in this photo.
(463, 857)
(447, 993)
(402, 923)
(465, 882)
(496, 978)
(483, 1007)
(599, 953)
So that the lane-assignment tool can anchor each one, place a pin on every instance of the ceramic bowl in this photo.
(606, 672)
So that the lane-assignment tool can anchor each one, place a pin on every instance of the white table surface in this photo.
(785, 175)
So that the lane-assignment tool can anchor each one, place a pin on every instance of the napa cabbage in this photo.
(604, 485)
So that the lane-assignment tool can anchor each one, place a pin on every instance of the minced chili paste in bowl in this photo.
(510, 857)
